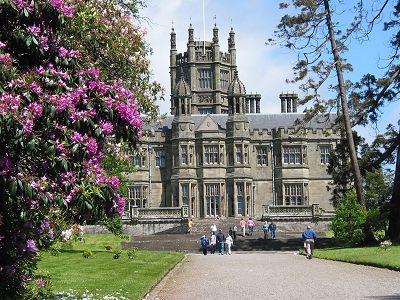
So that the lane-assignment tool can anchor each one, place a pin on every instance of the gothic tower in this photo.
(183, 176)
(239, 178)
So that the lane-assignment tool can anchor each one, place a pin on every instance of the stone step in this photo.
(190, 243)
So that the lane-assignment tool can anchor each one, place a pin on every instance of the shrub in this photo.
(87, 253)
(132, 253)
(55, 249)
(117, 253)
(349, 221)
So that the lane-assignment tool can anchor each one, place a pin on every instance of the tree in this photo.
(310, 32)
(55, 119)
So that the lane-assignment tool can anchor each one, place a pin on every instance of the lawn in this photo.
(101, 274)
(371, 256)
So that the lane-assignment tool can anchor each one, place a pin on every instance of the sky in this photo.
(262, 69)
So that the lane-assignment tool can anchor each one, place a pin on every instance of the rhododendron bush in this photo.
(55, 119)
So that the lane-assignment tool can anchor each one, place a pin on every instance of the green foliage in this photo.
(117, 253)
(132, 252)
(87, 253)
(55, 249)
(349, 221)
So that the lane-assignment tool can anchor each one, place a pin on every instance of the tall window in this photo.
(137, 195)
(160, 158)
(224, 79)
(239, 154)
(211, 154)
(185, 194)
(213, 196)
(205, 78)
(294, 194)
(184, 154)
(292, 154)
(325, 153)
(140, 160)
(262, 158)
(240, 198)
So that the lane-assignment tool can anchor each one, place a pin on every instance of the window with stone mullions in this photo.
(292, 155)
(211, 154)
(224, 80)
(160, 158)
(325, 151)
(184, 154)
(239, 154)
(137, 196)
(205, 78)
(294, 194)
(262, 158)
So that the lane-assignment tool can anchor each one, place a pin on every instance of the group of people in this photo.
(269, 230)
(217, 242)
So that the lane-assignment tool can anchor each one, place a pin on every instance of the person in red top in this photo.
(242, 224)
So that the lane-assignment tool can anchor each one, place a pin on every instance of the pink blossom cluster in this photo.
(20, 4)
(63, 7)
(64, 53)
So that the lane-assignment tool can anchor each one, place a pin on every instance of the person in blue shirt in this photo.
(204, 244)
(265, 228)
(309, 238)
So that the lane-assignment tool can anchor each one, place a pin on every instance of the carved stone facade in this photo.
(218, 155)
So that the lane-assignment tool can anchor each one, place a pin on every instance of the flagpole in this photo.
(204, 31)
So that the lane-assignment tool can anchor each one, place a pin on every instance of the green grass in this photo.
(103, 275)
(371, 256)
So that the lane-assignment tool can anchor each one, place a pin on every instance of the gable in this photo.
(208, 124)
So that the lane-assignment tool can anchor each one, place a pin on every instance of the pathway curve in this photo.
(274, 275)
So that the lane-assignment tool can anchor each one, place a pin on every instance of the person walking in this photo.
(221, 242)
(234, 232)
(309, 238)
(190, 225)
(204, 244)
(214, 229)
(213, 243)
(272, 228)
(229, 243)
(242, 224)
(250, 225)
(265, 228)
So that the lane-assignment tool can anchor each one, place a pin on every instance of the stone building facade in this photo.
(218, 155)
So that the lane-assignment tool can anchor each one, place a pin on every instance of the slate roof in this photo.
(256, 121)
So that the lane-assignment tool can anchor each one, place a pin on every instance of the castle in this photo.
(218, 155)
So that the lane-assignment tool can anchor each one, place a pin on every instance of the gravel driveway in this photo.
(274, 275)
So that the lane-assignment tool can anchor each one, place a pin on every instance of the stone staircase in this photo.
(288, 237)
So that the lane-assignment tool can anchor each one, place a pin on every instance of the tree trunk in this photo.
(394, 217)
(345, 108)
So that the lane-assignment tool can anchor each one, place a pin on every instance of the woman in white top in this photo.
(229, 243)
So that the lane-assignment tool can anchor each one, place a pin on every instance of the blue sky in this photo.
(262, 69)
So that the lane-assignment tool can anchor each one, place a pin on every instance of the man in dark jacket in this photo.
(309, 237)
(221, 242)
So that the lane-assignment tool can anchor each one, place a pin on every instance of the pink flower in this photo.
(2, 45)
(30, 246)
(34, 29)
(92, 146)
(5, 59)
(40, 282)
(77, 137)
(107, 127)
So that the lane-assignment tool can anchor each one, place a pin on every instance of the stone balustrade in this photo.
(298, 212)
(159, 213)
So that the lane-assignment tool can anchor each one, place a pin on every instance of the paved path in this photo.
(274, 275)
